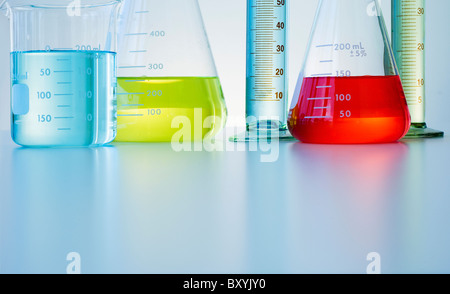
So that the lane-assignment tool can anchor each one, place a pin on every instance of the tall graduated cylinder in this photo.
(266, 92)
(408, 38)
(63, 72)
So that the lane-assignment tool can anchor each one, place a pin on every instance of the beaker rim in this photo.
(55, 4)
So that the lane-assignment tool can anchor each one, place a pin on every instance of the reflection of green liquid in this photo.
(147, 107)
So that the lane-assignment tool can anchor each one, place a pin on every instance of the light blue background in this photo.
(143, 208)
(225, 23)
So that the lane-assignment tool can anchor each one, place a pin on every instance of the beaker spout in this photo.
(72, 7)
(4, 8)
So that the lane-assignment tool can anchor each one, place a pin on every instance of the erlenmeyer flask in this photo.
(167, 76)
(349, 90)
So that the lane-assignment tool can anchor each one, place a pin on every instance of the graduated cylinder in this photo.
(408, 41)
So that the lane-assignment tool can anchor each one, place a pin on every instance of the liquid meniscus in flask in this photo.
(152, 109)
(63, 98)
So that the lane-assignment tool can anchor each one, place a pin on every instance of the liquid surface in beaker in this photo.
(155, 109)
(350, 110)
(63, 98)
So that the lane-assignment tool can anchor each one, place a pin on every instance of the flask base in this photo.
(255, 135)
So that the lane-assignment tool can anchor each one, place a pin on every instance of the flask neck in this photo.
(349, 7)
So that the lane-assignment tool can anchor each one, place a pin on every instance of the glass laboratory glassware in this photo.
(167, 76)
(63, 71)
(408, 42)
(267, 72)
(349, 90)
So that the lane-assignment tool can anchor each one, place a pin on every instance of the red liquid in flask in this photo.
(350, 110)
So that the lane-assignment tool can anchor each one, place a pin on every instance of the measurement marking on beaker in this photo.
(136, 34)
(321, 75)
(320, 98)
(326, 61)
(64, 129)
(134, 66)
(63, 94)
(265, 76)
(138, 51)
(131, 115)
(63, 59)
(64, 106)
(326, 45)
(324, 107)
(310, 117)
(63, 71)
(64, 117)
(132, 81)
(131, 105)
(123, 94)
(64, 83)
(323, 87)
(144, 11)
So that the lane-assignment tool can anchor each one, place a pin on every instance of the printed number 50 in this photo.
(345, 114)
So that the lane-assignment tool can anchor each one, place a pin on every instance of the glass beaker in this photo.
(63, 71)
(349, 90)
(166, 73)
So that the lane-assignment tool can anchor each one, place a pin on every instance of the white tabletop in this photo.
(144, 208)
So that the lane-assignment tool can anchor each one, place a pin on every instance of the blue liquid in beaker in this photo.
(63, 98)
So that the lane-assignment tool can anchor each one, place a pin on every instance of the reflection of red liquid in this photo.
(350, 110)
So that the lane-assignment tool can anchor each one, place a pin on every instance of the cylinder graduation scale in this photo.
(266, 91)
(408, 25)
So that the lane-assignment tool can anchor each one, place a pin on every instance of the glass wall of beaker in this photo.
(63, 71)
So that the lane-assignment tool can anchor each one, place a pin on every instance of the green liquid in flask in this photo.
(156, 109)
